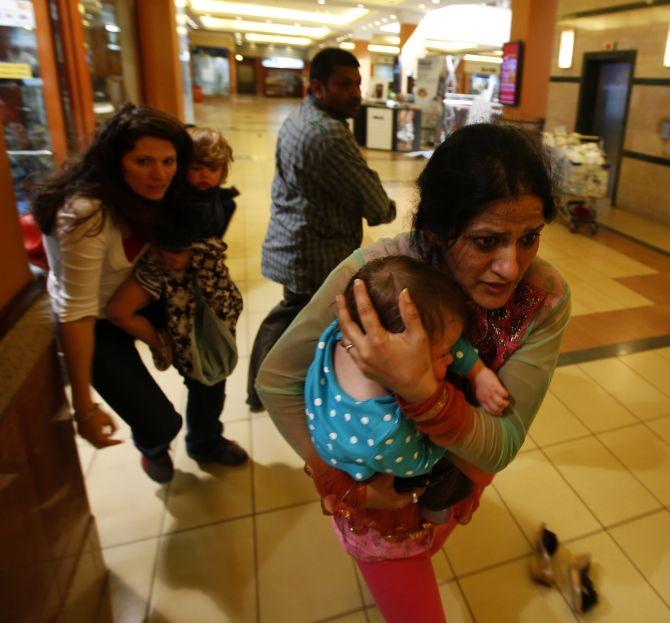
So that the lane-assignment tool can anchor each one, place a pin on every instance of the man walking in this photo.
(321, 191)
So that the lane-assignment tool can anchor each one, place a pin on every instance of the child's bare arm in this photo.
(122, 310)
(489, 391)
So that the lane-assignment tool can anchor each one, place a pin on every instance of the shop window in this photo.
(103, 44)
(22, 109)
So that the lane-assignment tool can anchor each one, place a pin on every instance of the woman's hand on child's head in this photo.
(490, 392)
(177, 261)
(381, 494)
(399, 361)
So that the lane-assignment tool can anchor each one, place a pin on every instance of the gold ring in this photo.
(415, 497)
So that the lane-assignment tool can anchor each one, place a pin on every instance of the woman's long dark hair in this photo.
(472, 168)
(96, 172)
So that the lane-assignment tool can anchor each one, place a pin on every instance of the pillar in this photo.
(159, 48)
(51, 88)
(533, 22)
(406, 31)
(12, 256)
(362, 53)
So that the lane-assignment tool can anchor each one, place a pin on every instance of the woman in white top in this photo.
(98, 214)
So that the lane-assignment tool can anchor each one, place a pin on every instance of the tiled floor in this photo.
(249, 544)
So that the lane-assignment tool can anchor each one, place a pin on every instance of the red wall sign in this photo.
(510, 73)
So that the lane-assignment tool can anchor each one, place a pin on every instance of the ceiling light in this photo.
(360, 6)
(393, 40)
(239, 57)
(383, 49)
(321, 1)
(377, 22)
(112, 28)
(478, 58)
(435, 1)
(393, 28)
(565, 49)
(347, 45)
(449, 46)
(219, 23)
(422, 7)
(384, 20)
(394, 17)
(258, 38)
(274, 12)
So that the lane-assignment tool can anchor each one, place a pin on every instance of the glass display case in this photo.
(22, 109)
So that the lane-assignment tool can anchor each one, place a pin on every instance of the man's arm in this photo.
(348, 176)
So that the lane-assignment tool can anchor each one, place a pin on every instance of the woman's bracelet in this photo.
(90, 412)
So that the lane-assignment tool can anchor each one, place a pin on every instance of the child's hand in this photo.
(177, 261)
(490, 392)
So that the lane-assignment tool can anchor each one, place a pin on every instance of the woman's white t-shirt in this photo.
(87, 263)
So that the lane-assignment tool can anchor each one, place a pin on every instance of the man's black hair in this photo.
(324, 63)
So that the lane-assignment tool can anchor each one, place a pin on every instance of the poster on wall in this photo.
(17, 14)
(510, 73)
(427, 81)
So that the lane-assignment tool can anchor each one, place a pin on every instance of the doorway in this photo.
(604, 97)
(246, 77)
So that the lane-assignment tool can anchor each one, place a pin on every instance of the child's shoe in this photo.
(582, 592)
(163, 355)
(224, 452)
(545, 546)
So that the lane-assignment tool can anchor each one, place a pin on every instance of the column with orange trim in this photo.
(159, 48)
(533, 22)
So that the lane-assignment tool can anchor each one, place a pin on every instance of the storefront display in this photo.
(22, 110)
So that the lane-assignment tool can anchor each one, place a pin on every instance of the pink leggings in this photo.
(405, 590)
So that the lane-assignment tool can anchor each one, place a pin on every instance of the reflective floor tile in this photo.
(206, 574)
(303, 572)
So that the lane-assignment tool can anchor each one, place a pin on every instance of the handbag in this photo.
(213, 344)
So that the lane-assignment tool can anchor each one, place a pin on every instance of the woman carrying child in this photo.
(485, 196)
(99, 215)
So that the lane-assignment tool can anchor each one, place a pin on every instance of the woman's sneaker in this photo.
(159, 468)
(224, 452)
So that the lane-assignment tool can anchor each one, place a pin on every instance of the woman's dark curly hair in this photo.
(475, 166)
(96, 172)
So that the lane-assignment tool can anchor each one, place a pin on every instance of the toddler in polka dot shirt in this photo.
(356, 424)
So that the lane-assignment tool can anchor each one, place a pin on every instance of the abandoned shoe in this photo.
(540, 566)
(582, 592)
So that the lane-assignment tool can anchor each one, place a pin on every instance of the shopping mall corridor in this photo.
(250, 544)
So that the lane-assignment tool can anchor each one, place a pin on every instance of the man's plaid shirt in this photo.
(322, 190)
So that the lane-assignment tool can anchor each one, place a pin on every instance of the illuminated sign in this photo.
(510, 73)
(283, 62)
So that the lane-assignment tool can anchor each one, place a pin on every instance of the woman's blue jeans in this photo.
(123, 381)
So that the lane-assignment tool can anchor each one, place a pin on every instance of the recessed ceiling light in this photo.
(258, 38)
(384, 20)
(239, 57)
(435, 1)
(383, 49)
(360, 6)
(275, 12)
(220, 23)
(394, 17)
(321, 1)
(422, 7)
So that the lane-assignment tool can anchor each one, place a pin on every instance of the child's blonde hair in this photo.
(209, 147)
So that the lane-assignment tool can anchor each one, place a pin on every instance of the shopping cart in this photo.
(582, 175)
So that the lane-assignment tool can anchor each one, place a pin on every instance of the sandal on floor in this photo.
(546, 543)
(582, 592)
